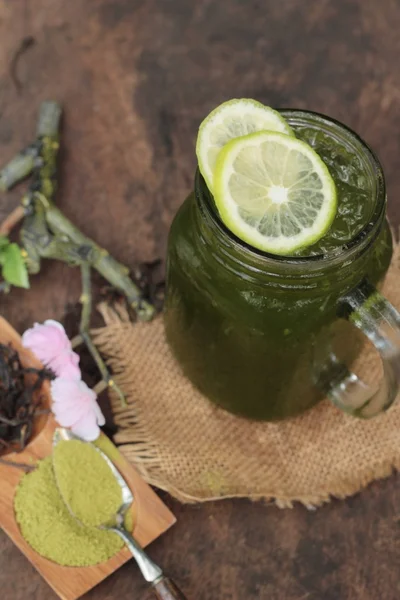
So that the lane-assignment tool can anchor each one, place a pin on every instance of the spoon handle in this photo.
(166, 589)
(150, 571)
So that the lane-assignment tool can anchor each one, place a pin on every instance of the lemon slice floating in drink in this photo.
(274, 192)
(231, 120)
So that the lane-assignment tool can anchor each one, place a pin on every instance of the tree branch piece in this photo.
(100, 387)
(49, 119)
(12, 220)
(76, 341)
(113, 271)
(19, 167)
(86, 301)
(47, 233)
(45, 171)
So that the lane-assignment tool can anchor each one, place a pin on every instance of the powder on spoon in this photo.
(49, 528)
(86, 482)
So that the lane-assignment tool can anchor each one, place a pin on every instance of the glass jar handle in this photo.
(370, 312)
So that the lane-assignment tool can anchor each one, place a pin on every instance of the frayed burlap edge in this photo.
(172, 460)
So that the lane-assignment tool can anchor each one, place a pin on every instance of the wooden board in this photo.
(151, 516)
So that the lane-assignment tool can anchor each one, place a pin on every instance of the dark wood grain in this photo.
(136, 77)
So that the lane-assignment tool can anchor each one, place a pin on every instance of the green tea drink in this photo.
(250, 328)
(355, 202)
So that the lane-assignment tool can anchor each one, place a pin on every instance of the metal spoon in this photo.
(164, 588)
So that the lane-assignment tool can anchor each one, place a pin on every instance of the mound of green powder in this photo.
(48, 527)
(86, 482)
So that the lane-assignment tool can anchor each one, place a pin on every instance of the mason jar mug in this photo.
(267, 337)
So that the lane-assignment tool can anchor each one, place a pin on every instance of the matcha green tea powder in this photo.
(49, 528)
(86, 482)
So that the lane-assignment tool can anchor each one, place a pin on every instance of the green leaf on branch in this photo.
(14, 268)
(4, 241)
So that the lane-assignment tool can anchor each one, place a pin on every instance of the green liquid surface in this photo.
(355, 200)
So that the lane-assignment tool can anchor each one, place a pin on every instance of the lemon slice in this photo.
(274, 192)
(230, 120)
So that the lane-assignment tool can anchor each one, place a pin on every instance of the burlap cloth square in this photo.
(183, 444)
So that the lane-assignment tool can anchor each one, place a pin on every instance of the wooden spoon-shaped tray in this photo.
(151, 516)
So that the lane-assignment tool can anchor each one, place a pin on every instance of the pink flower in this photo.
(66, 365)
(50, 344)
(75, 406)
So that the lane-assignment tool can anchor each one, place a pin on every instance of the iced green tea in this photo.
(250, 328)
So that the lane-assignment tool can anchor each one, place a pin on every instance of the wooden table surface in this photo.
(136, 77)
